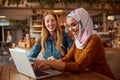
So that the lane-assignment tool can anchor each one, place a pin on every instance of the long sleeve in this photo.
(34, 51)
(83, 58)
(91, 57)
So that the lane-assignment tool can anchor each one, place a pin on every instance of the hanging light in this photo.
(111, 17)
(57, 11)
(2, 17)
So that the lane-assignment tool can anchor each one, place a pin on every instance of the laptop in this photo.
(23, 65)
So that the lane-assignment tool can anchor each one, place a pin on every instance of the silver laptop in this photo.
(23, 65)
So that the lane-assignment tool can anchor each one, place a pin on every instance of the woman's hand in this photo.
(46, 64)
(51, 58)
(40, 64)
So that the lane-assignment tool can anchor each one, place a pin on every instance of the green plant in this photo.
(51, 3)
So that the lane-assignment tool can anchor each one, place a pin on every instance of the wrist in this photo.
(48, 62)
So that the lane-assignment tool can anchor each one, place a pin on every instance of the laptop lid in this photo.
(23, 65)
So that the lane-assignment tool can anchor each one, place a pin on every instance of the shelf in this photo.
(36, 31)
(36, 25)
(36, 20)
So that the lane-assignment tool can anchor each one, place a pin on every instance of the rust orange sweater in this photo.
(91, 57)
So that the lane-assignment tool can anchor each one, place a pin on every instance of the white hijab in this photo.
(85, 26)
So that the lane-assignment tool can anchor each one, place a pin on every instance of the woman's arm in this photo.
(45, 64)
(85, 57)
(67, 63)
(82, 61)
(34, 51)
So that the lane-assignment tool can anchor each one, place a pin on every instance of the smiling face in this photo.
(73, 26)
(50, 23)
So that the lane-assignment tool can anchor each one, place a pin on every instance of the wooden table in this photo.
(11, 73)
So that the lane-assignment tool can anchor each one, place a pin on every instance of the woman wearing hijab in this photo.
(85, 53)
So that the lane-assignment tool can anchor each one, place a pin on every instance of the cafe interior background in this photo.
(17, 15)
(24, 18)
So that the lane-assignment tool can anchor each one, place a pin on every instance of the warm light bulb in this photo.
(2, 16)
(58, 11)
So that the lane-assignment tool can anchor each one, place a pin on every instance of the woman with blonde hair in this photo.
(53, 42)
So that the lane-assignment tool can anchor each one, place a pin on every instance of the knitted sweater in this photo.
(91, 57)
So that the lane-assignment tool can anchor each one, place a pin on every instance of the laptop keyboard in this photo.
(40, 73)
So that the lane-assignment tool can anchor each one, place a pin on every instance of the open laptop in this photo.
(23, 65)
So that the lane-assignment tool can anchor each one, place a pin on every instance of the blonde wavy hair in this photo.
(58, 36)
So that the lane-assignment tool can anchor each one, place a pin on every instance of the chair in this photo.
(5, 48)
(113, 58)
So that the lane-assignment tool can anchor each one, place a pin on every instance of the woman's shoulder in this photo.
(95, 37)
(36, 46)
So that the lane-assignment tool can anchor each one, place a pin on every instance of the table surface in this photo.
(9, 72)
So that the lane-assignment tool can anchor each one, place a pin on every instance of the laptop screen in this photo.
(20, 58)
